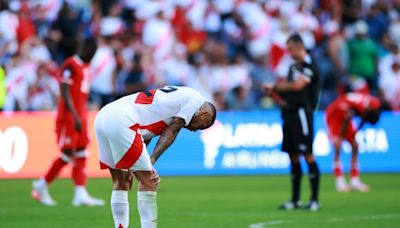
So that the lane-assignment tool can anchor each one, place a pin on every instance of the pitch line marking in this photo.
(332, 220)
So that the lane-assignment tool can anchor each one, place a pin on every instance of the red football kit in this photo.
(75, 73)
(345, 105)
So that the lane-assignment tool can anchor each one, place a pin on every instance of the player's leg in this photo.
(40, 187)
(314, 176)
(340, 181)
(65, 140)
(147, 198)
(122, 182)
(307, 123)
(296, 176)
(290, 131)
(355, 181)
(81, 195)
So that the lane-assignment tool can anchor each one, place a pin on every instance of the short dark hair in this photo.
(212, 109)
(87, 49)
(295, 38)
(372, 116)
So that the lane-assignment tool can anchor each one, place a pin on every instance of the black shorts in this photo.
(298, 131)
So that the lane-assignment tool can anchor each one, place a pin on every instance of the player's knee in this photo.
(354, 146)
(66, 156)
(122, 180)
(147, 185)
(294, 158)
(309, 158)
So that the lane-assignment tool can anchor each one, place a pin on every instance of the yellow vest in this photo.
(3, 90)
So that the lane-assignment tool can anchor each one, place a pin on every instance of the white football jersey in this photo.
(153, 110)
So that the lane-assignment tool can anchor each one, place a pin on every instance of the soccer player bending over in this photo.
(71, 128)
(339, 116)
(125, 127)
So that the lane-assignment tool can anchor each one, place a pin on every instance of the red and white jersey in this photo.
(76, 73)
(153, 110)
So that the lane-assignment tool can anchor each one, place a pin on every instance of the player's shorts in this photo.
(334, 121)
(68, 138)
(120, 143)
(298, 131)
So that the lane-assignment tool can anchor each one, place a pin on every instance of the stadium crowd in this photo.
(223, 48)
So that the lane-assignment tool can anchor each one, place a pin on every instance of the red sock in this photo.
(337, 170)
(355, 171)
(54, 170)
(79, 172)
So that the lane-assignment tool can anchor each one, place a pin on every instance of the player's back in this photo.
(357, 102)
(153, 110)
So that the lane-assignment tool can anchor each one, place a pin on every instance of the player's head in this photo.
(87, 49)
(203, 118)
(295, 47)
(372, 115)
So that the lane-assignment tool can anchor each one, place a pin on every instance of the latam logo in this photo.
(13, 149)
(257, 145)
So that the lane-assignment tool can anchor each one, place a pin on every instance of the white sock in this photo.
(41, 183)
(80, 191)
(147, 206)
(120, 208)
(355, 180)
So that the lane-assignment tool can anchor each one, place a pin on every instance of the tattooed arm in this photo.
(167, 138)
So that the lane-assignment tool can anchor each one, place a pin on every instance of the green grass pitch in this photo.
(212, 202)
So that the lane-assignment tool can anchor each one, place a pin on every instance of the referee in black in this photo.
(298, 98)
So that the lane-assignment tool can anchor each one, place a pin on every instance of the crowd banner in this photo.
(238, 143)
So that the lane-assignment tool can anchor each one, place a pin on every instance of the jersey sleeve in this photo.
(190, 105)
(306, 73)
(66, 74)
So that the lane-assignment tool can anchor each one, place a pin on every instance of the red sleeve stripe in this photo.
(145, 97)
(155, 128)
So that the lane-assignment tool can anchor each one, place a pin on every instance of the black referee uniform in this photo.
(297, 115)
(298, 128)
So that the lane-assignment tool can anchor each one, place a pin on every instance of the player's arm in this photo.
(296, 85)
(363, 121)
(147, 141)
(345, 125)
(66, 95)
(167, 138)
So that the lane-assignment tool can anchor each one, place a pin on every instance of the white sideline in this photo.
(332, 220)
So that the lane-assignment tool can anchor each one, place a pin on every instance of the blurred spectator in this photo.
(389, 85)
(363, 55)
(21, 76)
(8, 32)
(44, 92)
(25, 29)
(389, 79)
(377, 22)
(238, 99)
(64, 33)
(104, 66)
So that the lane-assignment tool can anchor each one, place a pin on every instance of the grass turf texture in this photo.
(234, 201)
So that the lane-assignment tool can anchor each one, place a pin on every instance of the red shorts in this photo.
(68, 138)
(334, 122)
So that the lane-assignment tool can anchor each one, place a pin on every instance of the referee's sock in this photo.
(296, 181)
(314, 180)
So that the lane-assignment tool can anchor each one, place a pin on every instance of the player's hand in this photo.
(268, 88)
(154, 177)
(78, 124)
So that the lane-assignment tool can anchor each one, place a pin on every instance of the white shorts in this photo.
(120, 143)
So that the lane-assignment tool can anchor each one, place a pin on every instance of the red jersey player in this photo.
(71, 128)
(339, 120)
